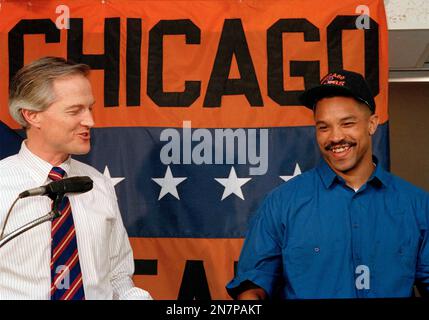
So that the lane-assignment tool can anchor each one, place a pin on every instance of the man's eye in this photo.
(348, 124)
(75, 111)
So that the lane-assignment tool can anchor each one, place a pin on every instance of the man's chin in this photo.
(80, 151)
(340, 165)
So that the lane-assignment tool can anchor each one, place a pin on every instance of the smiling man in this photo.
(85, 253)
(345, 229)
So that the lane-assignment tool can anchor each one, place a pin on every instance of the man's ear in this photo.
(32, 117)
(373, 124)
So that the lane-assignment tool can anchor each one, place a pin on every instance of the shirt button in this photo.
(316, 249)
(355, 225)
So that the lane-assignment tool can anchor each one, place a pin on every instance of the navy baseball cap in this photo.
(339, 83)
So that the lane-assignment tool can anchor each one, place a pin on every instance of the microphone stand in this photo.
(53, 214)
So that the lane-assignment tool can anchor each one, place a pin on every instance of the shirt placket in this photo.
(357, 237)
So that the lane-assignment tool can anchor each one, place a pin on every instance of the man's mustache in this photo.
(341, 143)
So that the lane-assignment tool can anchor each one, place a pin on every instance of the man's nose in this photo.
(336, 135)
(88, 119)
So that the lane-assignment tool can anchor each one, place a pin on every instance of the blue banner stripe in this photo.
(134, 153)
(10, 141)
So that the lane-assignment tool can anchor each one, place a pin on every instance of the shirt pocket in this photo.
(397, 246)
(299, 259)
(310, 260)
(408, 259)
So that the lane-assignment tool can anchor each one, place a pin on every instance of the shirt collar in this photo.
(378, 177)
(327, 175)
(38, 167)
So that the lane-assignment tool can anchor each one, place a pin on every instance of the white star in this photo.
(295, 173)
(232, 184)
(168, 184)
(115, 181)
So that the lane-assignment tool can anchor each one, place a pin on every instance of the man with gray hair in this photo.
(85, 253)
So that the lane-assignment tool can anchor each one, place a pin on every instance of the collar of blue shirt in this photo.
(379, 177)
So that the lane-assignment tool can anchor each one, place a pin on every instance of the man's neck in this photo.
(358, 176)
(38, 150)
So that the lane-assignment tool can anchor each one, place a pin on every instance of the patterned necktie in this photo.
(66, 275)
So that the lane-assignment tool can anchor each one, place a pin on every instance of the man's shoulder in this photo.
(405, 187)
(14, 178)
(9, 163)
(85, 169)
(291, 194)
(303, 183)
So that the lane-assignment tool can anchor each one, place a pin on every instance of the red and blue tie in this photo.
(66, 275)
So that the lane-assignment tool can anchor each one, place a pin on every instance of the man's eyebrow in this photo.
(348, 118)
(320, 122)
(74, 106)
(78, 106)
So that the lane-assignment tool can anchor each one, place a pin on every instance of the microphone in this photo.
(67, 185)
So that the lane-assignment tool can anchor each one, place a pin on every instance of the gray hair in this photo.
(32, 86)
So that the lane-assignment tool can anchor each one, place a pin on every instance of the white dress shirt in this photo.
(105, 253)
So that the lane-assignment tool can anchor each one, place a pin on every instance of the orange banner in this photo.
(168, 61)
(206, 261)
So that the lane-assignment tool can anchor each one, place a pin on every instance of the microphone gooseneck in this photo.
(55, 190)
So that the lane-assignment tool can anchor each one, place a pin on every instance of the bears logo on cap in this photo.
(340, 83)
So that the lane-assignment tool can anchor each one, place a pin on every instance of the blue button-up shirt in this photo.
(315, 237)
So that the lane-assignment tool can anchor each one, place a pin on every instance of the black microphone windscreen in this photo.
(71, 185)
